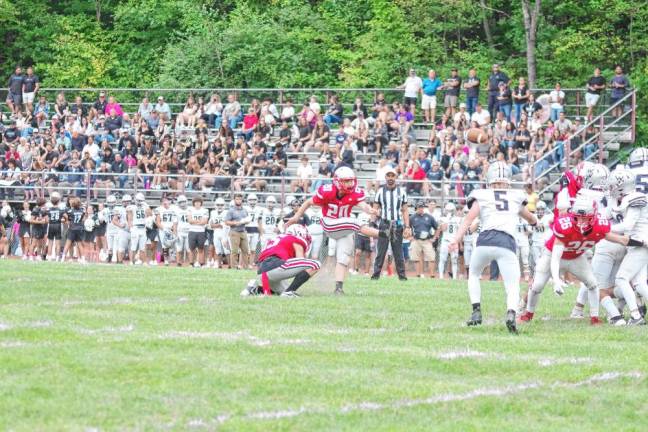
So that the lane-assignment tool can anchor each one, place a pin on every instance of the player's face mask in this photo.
(584, 223)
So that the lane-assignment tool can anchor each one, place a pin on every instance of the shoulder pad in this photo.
(634, 199)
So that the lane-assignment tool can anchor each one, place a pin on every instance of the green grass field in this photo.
(122, 348)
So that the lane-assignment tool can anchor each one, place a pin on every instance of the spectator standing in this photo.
(472, 85)
(424, 231)
(619, 84)
(428, 98)
(452, 88)
(14, 97)
(31, 84)
(595, 85)
(557, 100)
(521, 95)
(412, 86)
(236, 218)
(496, 77)
(504, 101)
(395, 218)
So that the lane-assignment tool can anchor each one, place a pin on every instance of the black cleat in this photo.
(475, 318)
(339, 291)
(642, 311)
(402, 278)
(510, 321)
(636, 321)
(375, 277)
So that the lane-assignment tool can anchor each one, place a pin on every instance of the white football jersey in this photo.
(183, 219)
(542, 230)
(138, 214)
(118, 211)
(453, 223)
(522, 232)
(499, 209)
(270, 220)
(634, 208)
(255, 213)
(217, 217)
(195, 215)
(168, 216)
(315, 216)
(641, 179)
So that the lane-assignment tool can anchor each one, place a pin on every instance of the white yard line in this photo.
(369, 406)
(230, 337)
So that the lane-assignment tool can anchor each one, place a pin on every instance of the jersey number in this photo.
(579, 246)
(338, 211)
(641, 183)
(502, 202)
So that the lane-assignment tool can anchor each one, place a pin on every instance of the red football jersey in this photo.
(326, 197)
(576, 243)
(569, 183)
(282, 247)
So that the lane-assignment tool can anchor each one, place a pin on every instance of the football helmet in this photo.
(450, 208)
(345, 180)
(220, 203)
(55, 197)
(182, 201)
(252, 199)
(126, 200)
(89, 224)
(168, 239)
(596, 177)
(111, 200)
(270, 202)
(541, 208)
(139, 198)
(583, 171)
(621, 182)
(638, 157)
(299, 231)
(498, 172)
(584, 212)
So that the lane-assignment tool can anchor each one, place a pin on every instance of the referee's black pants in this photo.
(396, 241)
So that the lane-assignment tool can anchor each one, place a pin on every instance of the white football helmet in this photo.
(638, 157)
(299, 231)
(126, 200)
(345, 179)
(582, 171)
(289, 199)
(55, 197)
(584, 211)
(89, 224)
(168, 239)
(541, 208)
(139, 198)
(252, 199)
(220, 203)
(111, 200)
(450, 208)
(498, 172)
(270, 202)
(595, 177)
(182, 201)
(621, 182)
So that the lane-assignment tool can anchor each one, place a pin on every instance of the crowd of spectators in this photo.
(221, 145)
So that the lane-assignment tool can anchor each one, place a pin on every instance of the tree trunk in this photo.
(531, 14)
(486, 23)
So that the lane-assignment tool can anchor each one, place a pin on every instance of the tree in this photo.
(531, 14)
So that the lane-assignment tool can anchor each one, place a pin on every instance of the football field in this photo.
(124, 348)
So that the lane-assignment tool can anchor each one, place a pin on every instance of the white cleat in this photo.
(576, 313)
(196, 265)
(249, 289)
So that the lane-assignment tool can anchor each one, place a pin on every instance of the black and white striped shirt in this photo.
(391, 202)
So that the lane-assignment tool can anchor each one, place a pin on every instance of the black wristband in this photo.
(634, 242)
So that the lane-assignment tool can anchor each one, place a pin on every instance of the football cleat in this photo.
(290, 294)
(475, 318)
(251, 289)
(617, 321)
(526, 316)
(636, 321)
(339, 291)
(595, 321)
(577, 313)
(402, 278)
(642, 311)
(510, 321)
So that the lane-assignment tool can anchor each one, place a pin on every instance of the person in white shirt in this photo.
(163, 109)
(288, 111)
(461, 115)
(314, 105)
(198, 217)
(145, 109)
(412, 85)
(92, 149)
(481, 116)
(557, 99)
(304, 174)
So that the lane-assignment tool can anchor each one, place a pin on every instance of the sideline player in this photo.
(55, 211)
(449, 226)
(573, 235)
(221, 234)
(270, 218)
(254, 227)
(540, 233)
(166, 218)
(498, 208)
(283, 266)
(136, 217)
(337, 200)
(522, 231)
(182, 240)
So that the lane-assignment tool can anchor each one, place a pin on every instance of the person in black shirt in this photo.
(31, 84)
(496, 77)
(38, 228)
(14, 97)
(531, 107)
(504, 101)
(99, 107)
(11, 134)
(595, 85)
(520, 98)
(452, 88)
(74, 217)
(295, 205)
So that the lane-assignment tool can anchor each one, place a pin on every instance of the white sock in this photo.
(593, 296)
(627, 293)
(610, 307)
(532, 301)
(582, 296)
(474, 288)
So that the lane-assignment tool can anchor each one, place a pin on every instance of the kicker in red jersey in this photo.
(569, 184)
(282, 247)
(327, 197)
(577, 243)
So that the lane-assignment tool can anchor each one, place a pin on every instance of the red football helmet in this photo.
(584, 212)
(345, 180)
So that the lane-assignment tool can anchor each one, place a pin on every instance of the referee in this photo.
(394, 216)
